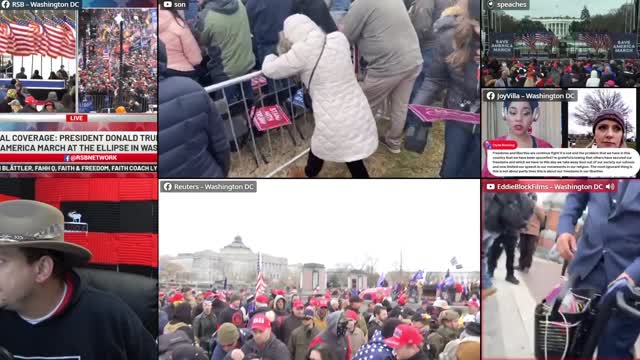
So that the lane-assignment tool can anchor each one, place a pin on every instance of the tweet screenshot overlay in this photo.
(554, 43)
(568, 133)
(558, 293)
(345, 272)
(68, 247)
(78, 89)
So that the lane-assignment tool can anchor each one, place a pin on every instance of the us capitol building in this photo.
(236, 262)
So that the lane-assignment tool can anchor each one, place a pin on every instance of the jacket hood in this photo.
(52, 96)
(297, 27)
(594, 74)
(332, 322)
(162, 60)
(275, 301)
(226, 7)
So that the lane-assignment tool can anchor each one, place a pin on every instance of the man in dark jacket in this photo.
(233, 314)
(266, 18)
(406, 343)
(21, 74)
(335, 336)
(301, 337)
(204, 326)
(42, 298)
(192, 140)
(292, 322)
(379, 316)
(264, 344)
(447, 331)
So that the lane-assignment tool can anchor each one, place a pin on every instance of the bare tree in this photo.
(595, 102)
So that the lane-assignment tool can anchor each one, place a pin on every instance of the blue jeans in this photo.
(487, 240)
(622, 330)
(427, 59)
(461, 151)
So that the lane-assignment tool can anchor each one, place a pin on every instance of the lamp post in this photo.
(120, 20)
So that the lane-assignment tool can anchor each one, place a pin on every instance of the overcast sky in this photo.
(629, 96)
(334, 221)
(541, 8)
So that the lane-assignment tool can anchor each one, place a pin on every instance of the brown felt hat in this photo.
(33, 224)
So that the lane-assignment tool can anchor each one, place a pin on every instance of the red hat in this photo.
(404, 335)
(402, 300)
(161, 294)
(322, 303)
(473, 303)
(30, 100)
(351, 315)
(610, 83)
(298, 304)
(176, 297)
(260, 322)
(262, 298)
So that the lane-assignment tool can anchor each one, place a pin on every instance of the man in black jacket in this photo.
(42, 298)
(292, 322)
(204, 325)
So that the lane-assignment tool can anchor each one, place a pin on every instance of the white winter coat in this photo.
(345, 128)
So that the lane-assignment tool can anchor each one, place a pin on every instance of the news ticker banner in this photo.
(551, 185)
(74, 4)
(78, 151)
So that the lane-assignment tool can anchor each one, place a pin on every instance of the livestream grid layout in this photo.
(156, 201)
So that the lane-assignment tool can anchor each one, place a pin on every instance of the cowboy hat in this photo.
(33, 224)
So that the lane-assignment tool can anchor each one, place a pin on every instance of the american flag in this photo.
(70, 26)
(6, 37)
(261, 284)
(59, 44)
(23, 38)
(530, 40)
(596, 40)
(40, 36)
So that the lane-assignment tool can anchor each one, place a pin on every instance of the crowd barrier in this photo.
(108, 103)
(253, 106)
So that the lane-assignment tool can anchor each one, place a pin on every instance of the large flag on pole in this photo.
(261, 285)
(380, 279)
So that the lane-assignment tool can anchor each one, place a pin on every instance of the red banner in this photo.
(550, 185)
(432, 113)
(78, 158)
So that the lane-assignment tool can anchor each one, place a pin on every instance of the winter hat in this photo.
(609, 114)
(441, 304)
(402, 300)
(448, 315)
(309, 312)
(610, 83)
(188, 352)
(423, 318)
(228, 334)
(12, 93)
(176, 298)
(404, 335)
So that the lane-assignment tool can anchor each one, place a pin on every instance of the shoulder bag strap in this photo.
(317, 61)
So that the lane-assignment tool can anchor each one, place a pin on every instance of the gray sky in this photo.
(540, 8)
(334, 221)
(629, 96)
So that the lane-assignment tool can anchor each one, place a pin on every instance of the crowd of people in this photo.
(560, 73)
(102, 83)
(336, 325)
(409, 52)
(15, 98)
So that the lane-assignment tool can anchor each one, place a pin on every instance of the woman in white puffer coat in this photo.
(345, 129)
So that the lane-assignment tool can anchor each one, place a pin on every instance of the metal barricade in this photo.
(109, 103)
(245, 96)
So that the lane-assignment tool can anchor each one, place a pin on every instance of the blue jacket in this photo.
(612, 235)
(192, 139)
(375, 349)
(266, 19)
(219, 353)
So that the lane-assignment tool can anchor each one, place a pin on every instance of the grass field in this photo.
(381, 164)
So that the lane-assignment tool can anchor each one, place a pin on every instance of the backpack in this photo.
(167, 343)
(506, 212)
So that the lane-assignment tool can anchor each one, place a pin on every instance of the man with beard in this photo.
(292, 322)
(301, 337)
(335, 336)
